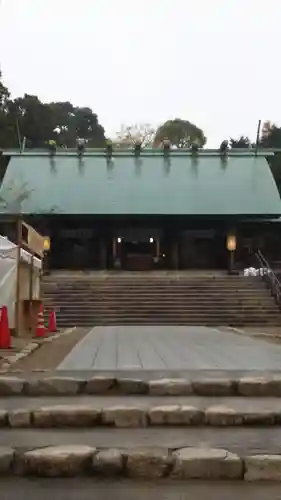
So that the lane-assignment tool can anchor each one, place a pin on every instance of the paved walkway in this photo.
(88, 489)
(170, 348)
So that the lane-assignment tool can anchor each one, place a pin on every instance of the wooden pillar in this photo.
(114, 249)
(103, 254)
(157, 248)
(175, 254)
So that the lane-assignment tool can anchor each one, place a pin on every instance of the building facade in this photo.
(152, 211)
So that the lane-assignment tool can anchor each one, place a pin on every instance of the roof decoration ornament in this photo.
(80, 152)
(194, 157)
(138, 147)
(52, 147)
(224, 148)
(166, 146)
(109, 150)
(167, 159)
(109, 159)
(81, 147)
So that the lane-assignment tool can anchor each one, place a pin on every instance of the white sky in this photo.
(213, 62)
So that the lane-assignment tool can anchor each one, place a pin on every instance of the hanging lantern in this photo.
(231, 243)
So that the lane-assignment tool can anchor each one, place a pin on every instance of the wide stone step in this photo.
(171, 296)
(148, 286)
(155, 313)
(87, 488)
(241, 440)
(138, 412)
(215, 324)
(166, 296)
(145, 384)
(148, 293)
(151, 278)
(174, 306)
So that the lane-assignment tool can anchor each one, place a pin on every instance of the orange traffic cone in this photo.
(52, 325)
(5, 336)
(40, 330)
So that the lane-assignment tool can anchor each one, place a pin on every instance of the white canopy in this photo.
(9, 250)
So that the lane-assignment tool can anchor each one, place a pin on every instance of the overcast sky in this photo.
(213, 62)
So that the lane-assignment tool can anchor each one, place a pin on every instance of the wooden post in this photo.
(157, 247)
(175, 254)
(31, 289)
(17, 305)
(103, 254)
(114, 249)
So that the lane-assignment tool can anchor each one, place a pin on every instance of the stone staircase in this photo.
(106, 298)
(183, 429)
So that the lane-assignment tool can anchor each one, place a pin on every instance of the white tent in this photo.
(8, 276)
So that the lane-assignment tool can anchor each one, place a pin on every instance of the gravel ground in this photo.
(50, 355)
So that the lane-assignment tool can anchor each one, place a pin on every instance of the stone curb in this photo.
(86, 416)
(35, 344)
(139, 463)
(11, 385)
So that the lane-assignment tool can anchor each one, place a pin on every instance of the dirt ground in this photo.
(49, 355)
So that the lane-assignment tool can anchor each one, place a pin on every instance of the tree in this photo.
(242, 142)
(4, 94)
(181, 133)
(270, 136)
(40, 122)
(130, 134)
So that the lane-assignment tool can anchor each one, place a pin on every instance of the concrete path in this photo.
(170, 348)
(90, 489)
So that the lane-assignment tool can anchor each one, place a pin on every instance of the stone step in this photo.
(241, 440)
(149, 277)
(138, 412)
(146, 287)
(160, 305)
(65, 323)
(203, 383)
(166, 296)
(154, 315)
(87, 488)
(263, 298)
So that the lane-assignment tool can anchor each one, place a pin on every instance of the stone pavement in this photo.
(170, 348)
(90, 489)
(241, 440)
(252, 404)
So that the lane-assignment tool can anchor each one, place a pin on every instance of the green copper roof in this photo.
(242, 185)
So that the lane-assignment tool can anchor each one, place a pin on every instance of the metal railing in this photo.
(269, 277)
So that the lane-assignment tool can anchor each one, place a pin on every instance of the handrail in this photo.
(269, 276)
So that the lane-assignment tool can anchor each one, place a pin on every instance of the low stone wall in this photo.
(124, 416)
(103, 385)
(139, 463)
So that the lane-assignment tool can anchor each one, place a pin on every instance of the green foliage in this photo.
(241, 143)
(40, 122)
(181, 134)
(271, 136)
